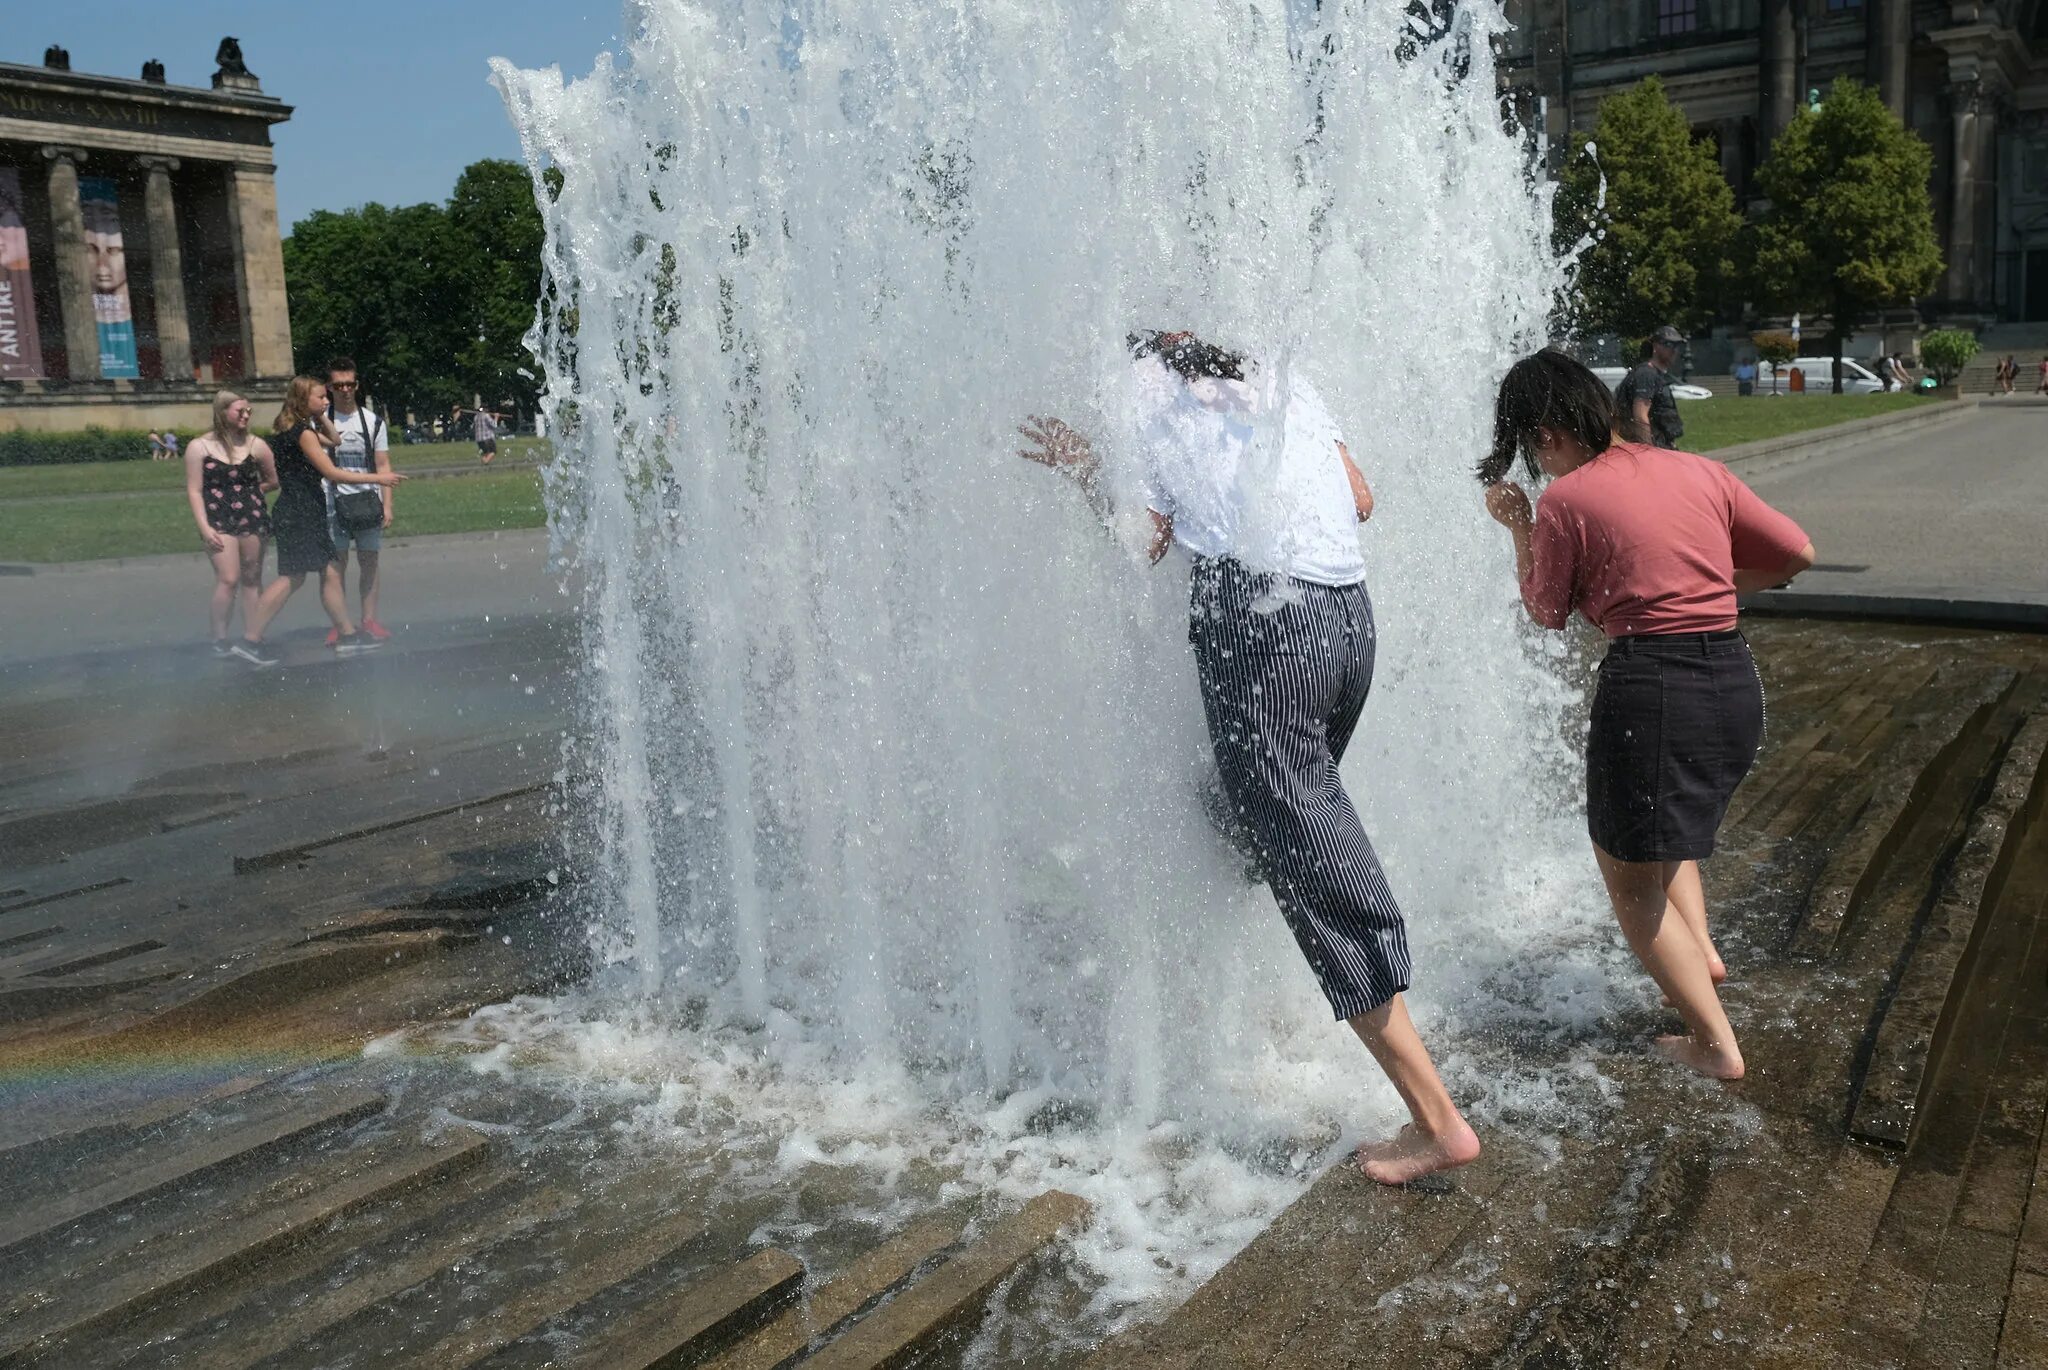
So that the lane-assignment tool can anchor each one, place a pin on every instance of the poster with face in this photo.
(112, 313)
(21, 349)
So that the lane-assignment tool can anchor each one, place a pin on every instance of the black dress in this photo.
(300, 515)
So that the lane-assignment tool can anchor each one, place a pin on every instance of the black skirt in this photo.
(1677, 721)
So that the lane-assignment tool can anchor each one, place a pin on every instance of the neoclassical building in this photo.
(140, 261)
(1970, 77)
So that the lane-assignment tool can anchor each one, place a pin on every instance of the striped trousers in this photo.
(1282, 687)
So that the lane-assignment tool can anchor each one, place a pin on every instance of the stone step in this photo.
(1895, 816)
(598, 1265)
(244, 1327)
(866, 1280)
(1344, 1244)
(78, 1143)
(1911, 1032)
(92, 1304)
(946, 1303)
(697, 1320)
(210, 1153)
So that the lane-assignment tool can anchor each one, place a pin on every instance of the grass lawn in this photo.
(1728, 419)
(48, 530)
(116, 477)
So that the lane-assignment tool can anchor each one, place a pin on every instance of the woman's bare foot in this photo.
(1412, 1153)
(1714, 1062)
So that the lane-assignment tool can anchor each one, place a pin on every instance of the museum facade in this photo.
(141, 265)
(1970, 77)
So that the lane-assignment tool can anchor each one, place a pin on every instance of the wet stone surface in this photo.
(249, 1117)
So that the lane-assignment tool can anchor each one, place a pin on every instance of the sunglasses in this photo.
(341, 385)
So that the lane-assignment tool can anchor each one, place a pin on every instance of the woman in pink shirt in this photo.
(1652, 547)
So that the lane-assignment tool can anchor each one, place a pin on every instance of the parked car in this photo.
(1680, 390)
(1857, 379)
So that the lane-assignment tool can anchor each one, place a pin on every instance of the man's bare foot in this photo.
(1412, 1153)
(1714, 1062)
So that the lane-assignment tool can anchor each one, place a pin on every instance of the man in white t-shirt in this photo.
(1247, 470)
(358, 514)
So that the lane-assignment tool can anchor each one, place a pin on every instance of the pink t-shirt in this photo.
(1645, 540)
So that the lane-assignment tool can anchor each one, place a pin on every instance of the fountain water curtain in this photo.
(895, 751)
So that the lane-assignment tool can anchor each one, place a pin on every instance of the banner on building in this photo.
(112, 313)
(21, 349)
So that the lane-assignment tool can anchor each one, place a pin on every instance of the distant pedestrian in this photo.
(226, 472)
(170, 445)
(2042, 388)
(357, 512)
(300, 444)
(2008, 372)
(156, 446)
(1745, 377)
(484, 430)
(1896, 369)
(1645, 393)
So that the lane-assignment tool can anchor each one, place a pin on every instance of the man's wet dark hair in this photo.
(1549, 390)
(340, 364)
(1188, 356)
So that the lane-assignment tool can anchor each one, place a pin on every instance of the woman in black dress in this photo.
(301, 445)
(226, 472)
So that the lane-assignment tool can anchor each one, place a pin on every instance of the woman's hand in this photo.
(384, 478)
(1509, 505)
(1060, 447)
(214, 541)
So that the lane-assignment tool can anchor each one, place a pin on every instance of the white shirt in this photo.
(354, 454)
(1273, 495)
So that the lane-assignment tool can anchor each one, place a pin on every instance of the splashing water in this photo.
(898, 758)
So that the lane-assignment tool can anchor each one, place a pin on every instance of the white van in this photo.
(1857, 379)
(1680, 390)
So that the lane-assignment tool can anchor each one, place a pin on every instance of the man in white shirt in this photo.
(1250, 473)
(358, 514)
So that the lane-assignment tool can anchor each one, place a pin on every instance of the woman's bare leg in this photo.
(227, 574)
(334, 599)
(252, 577)
(1439, 1137)
(267, 604)
(1670, 951)
(1682, 887)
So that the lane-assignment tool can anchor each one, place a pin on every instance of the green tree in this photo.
(432, 301)
(493, 210)
(385, 286)
(1947, 351)
(1775, 347)
(1664, 235)
(1850, 229)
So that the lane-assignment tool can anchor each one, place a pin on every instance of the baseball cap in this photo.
(1667, 334)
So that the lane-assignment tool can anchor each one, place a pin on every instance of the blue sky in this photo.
(391, 97)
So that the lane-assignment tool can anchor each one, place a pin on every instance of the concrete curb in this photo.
(1751, 459)
(1933, 610)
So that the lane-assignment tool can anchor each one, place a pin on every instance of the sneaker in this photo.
(376, 629)
(354, 643)
(332, 634)
(221, 648)
(252, 652)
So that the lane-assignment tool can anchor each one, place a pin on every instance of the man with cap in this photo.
(1645, 394)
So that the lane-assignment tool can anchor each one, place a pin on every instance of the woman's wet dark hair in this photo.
(1188, 356)
(1549, 390)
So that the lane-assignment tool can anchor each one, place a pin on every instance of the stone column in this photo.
(259, 270)
(74, 265)
(167, 266)
(1891, 30)
(1965, 104)
(1778, 80)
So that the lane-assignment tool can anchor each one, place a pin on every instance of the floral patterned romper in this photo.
(233, 494)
